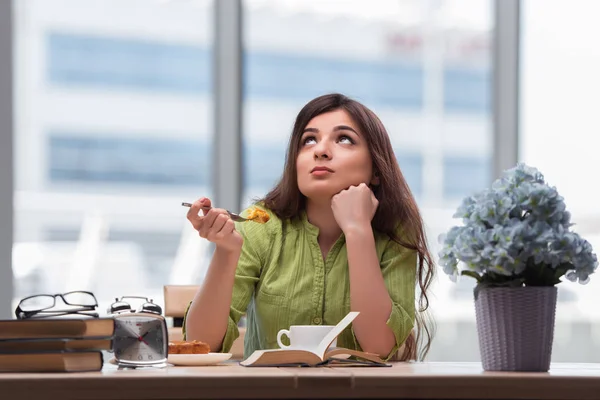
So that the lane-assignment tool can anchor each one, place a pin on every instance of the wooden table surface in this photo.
(428, 380)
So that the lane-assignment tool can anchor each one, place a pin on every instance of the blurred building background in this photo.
(114, 128)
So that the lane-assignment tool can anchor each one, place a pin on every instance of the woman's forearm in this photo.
(368, 293)
(208, 315)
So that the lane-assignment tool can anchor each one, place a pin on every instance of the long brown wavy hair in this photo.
(397, 206)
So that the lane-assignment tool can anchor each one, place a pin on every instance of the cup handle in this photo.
(279, 335)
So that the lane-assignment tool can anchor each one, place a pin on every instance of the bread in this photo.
(193, 347)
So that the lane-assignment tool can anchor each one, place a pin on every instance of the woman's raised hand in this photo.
(214, 225)
(354, 208)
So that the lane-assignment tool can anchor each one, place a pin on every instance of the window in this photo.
(113, 122)
(109, 61)
(558, 135)
(423, 67)
(465, 175)
(95, 158)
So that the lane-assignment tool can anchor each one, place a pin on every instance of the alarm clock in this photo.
(141, 336)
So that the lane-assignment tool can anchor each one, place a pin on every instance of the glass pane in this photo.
(36, 303)
(558, 135)
(113, 124)
(422, 66)
(79, 299)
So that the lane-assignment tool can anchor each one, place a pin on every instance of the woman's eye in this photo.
(346, 139)
(309, 140)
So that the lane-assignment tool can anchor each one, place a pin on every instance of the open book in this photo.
(322, 355)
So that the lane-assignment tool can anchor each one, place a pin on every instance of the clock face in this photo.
(140, 339)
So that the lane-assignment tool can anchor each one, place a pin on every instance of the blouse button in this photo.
(317, 320)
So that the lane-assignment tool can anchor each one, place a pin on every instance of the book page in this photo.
(335, 332)
(341, 353)
(275, 357)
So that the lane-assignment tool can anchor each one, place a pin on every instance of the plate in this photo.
(198, 359)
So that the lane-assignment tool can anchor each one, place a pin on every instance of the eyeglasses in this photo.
(42, 305)
(120, 306)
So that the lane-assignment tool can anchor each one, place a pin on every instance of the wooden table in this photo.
(231, 381)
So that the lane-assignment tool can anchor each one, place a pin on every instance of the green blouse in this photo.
(282, 280)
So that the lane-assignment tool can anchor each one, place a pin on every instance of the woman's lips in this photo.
(321, 171)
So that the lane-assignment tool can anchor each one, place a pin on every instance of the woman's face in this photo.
(333, 156)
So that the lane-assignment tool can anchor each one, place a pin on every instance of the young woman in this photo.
(344, 234)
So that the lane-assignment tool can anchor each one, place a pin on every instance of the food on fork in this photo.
(193, 347)
(258, 215)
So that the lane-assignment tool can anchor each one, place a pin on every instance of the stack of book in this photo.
(54, 345)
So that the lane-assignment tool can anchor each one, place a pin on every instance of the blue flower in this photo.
(517, 226)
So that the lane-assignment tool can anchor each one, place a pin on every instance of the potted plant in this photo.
(516, 242)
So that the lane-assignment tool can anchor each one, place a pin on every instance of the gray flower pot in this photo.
(515, 326)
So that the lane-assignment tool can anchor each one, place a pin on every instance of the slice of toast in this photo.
(193, 347)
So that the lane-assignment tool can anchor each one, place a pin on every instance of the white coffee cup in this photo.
(305, 337)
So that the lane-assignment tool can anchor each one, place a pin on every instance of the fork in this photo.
(233, 216)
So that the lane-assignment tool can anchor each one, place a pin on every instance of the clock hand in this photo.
(137, 336)
(141, 338)
(131, 332)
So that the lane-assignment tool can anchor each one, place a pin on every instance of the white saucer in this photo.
(198, 359)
